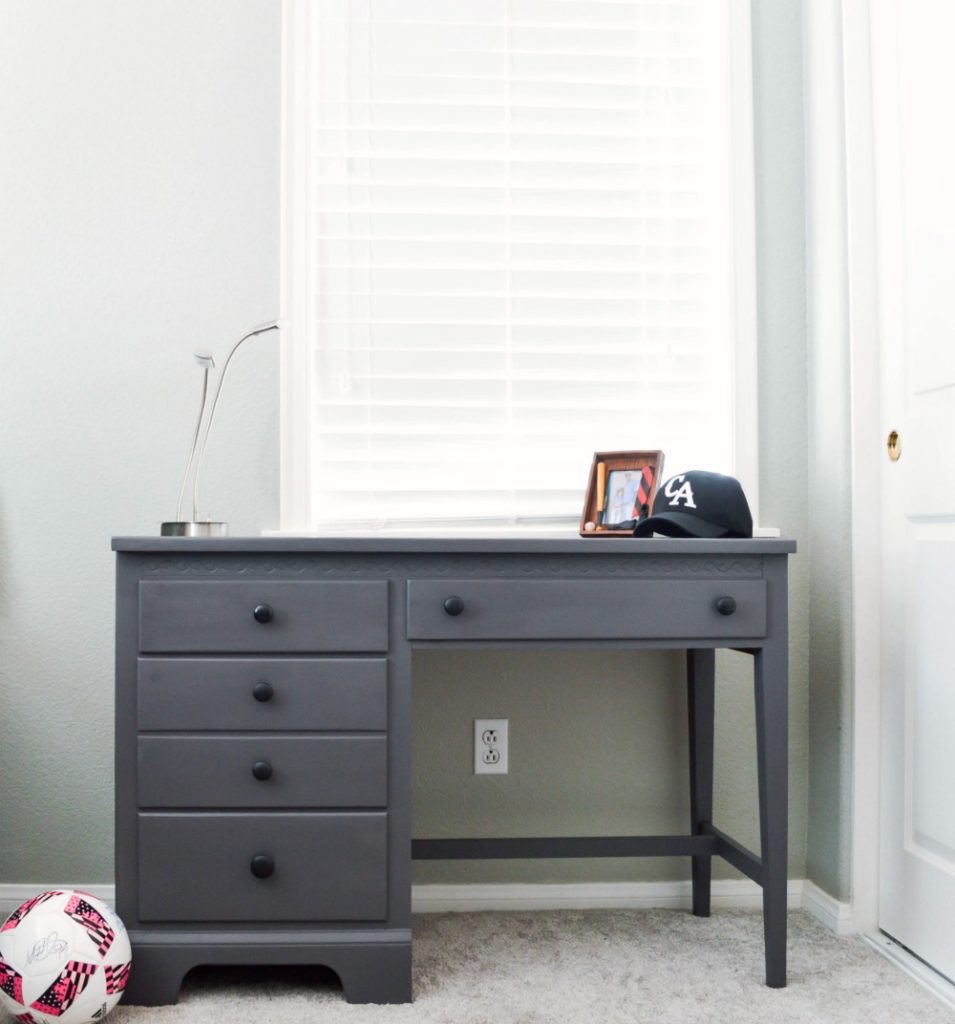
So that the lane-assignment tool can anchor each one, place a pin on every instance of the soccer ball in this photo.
(64, 959)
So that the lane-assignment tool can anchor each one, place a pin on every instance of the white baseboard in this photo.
(826, 909)
(13, 896)
(727, 894)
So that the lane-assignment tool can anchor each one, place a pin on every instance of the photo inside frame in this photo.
(627, 496)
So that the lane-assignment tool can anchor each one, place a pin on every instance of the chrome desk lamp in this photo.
(195, 527)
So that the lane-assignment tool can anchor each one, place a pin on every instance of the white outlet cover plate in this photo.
(483, 749)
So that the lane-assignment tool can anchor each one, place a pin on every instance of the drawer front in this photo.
(192, 694)
(326, 867)
(183, 616)
(585, 609)
(217, 771)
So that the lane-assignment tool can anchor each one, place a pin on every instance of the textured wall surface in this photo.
(829, 468)
(780, 256)
(141, 220)
(139, 204)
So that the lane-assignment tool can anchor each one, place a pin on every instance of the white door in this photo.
(914, 120)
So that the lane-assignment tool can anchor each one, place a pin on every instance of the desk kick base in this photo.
(370, 972)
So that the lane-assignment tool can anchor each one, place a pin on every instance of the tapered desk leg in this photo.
(772, 735)
(700, 679)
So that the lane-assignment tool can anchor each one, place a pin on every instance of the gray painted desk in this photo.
(263, 729)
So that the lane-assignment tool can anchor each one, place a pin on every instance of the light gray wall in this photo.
(140, 213)
(139, 219)
(829, 548)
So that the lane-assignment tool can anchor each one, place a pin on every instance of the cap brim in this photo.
(679, 524)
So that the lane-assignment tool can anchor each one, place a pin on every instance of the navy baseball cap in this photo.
(699, 504)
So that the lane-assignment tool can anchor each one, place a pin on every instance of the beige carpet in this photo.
(582, 966)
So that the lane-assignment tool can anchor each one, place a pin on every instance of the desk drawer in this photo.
(183, 616)
(325, 867)
(217, 771)
(585, 609)
(201, 694)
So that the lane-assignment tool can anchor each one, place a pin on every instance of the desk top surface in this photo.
(485, 545)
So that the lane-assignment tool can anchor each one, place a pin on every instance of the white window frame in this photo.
(298, 282)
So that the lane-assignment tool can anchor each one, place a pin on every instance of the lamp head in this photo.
(272, 325)
(205, 359)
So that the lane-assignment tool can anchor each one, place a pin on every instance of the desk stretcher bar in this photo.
(711, 843)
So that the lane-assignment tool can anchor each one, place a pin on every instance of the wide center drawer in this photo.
(313, 867)
(585, 609)
(262, 616)
(227, 771)
(199, 694)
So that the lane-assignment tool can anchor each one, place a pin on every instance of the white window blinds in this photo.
(516, 246)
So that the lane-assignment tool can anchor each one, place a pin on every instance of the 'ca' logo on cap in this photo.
(684, 492)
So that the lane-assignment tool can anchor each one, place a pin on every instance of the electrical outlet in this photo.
(490, 746)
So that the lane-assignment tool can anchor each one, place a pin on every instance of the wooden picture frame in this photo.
(624, 472)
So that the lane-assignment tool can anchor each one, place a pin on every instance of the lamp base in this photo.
(191, 529)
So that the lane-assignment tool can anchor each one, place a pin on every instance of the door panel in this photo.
(913, 81)
(931, 699)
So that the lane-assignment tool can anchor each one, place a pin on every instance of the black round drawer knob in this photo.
(262, 865)
(262, 770)
(263, 613)
(726, 605)
(454, 605)
(263, 692)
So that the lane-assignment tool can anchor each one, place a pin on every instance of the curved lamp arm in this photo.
(273, 325)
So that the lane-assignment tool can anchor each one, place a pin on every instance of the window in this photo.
(516, 232)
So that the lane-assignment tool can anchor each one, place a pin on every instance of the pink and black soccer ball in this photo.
(64, 959)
